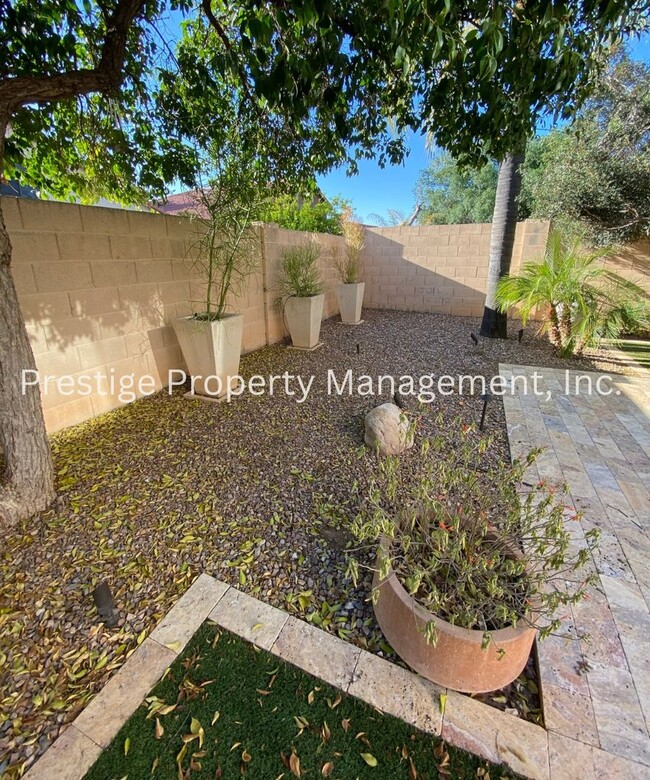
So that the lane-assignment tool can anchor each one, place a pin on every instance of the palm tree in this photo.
(584, 301)
(504, 225)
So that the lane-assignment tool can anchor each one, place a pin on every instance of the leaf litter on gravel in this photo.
(256, 492)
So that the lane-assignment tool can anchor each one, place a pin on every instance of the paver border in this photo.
(460, 720)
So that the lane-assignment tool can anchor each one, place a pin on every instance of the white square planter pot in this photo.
(350, 297)
(303, 316)
(211, 349)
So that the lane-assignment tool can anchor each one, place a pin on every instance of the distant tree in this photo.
(450, 194)
(305, 213)
(392, 218)
(594, 177)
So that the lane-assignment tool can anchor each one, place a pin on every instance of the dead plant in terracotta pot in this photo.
(470, 568)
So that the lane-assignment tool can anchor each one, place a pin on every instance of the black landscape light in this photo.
(473, 337)
(358, 349)
(103, 599)
(485, 397)
(520, 335)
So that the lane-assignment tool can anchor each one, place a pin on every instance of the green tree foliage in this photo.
(450, 194)
(80, 98)
(476, 76)
(302, 213)
(594, 177)
(591, 178)
(582, 300)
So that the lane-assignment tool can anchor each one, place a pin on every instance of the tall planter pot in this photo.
(457, 660)
(211, 349)
(350, 298)
(304, 317)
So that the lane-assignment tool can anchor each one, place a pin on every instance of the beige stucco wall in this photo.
(100, 288)
(438, 268)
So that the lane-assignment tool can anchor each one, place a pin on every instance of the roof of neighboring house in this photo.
(181, 203)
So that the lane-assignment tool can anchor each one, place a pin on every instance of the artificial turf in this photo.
(240, 711)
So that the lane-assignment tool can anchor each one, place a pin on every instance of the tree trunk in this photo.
(554, 329)
(504, 225)
(27, 484)
(565, 325)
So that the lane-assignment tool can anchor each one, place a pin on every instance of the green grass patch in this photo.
(226, 709)
(635, 349)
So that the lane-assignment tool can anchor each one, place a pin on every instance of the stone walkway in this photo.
(596, 692)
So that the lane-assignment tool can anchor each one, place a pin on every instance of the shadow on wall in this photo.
(100, 288)
(633, 263)
(436, 268)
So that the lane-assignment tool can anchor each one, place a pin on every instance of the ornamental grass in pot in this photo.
(225, 253)
(350, 291)
(469, 568)
(301, 293)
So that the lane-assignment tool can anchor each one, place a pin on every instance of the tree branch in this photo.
(106, 77)
(216, 25)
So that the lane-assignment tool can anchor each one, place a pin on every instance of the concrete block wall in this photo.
(438, 268)
(100, 288)
(633, 263)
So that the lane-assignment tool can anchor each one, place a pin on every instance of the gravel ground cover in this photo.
(227, 709)
(258, 493)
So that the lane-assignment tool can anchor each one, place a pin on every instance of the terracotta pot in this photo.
(457, 661)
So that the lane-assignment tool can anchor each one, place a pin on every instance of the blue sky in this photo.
(375, 190)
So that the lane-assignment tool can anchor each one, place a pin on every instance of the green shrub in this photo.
(583, 300)
(299, 213)
(466, 544)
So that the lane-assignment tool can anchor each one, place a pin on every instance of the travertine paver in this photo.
(250, 618)
(398, 692)
(317, 652)
(124, 692)
(573, 760)
(181, 622)
(69, 758)
(496, 736)
(596, 693)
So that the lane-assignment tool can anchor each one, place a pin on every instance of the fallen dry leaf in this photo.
(294, 765)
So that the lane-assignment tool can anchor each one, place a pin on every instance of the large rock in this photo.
(387, 429)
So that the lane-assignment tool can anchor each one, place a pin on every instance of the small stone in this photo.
(387, 429)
